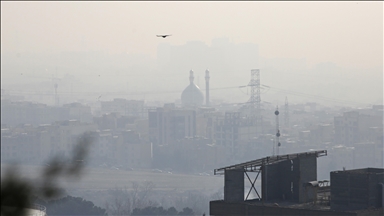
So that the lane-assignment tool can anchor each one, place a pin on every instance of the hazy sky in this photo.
(347, 33)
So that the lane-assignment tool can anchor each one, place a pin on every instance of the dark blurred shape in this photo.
(80, 153)
(16, 193)
(163, 36)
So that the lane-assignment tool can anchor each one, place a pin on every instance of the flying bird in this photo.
(163, 36)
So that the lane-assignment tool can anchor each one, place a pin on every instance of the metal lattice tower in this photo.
(286, 113)
(254, 100)
(277, 130)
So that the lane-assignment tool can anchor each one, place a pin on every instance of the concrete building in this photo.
(79, 112)
(232, 131)
(120, 148)
(64, 135)
(353, 127)
(132, 151)
(357, 189)
(205, 122)
(113, 121)
(35, 144)
(105, 150)
(123, 106)
(168, 124)
(289, 187)
(323, 133)
(15, 113)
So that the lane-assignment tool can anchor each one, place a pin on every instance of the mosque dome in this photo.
(192, 95)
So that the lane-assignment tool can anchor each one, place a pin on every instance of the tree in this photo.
(124, 200)
(150, 210)
(71, 206)
(187, 211)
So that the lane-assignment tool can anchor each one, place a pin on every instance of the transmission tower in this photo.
(277, 130)
(286, 113)
(254, 100)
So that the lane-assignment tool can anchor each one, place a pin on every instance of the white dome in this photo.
(192, 95)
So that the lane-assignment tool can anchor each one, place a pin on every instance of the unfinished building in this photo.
(357, 189)
(289, 186)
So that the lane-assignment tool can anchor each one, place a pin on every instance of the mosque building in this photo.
(192, 96)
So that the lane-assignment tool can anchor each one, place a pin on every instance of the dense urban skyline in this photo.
(285, 99)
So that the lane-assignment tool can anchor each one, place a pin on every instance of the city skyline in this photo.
(347, 33)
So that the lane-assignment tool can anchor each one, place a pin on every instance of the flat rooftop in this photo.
(363, 171)
(252, 165)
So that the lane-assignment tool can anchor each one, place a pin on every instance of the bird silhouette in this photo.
(163, 36)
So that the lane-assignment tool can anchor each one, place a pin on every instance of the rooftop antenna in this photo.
(277, 130)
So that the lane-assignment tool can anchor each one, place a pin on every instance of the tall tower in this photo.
(55, 85)
(56, 97)
(286, 113)
(254, 100)
(277, 130)
(207, 87)
(191, 77)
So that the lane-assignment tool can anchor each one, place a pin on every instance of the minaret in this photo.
(191, 77)
(207, 87)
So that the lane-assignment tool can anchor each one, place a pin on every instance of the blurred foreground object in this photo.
(17, 193)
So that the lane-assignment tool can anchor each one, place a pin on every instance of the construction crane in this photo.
(54, 80)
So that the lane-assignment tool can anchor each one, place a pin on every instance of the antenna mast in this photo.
(277, 130)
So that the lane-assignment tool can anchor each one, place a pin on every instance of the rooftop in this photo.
(364, 171)
(252, 165)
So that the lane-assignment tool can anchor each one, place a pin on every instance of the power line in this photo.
(315, 96)
(268, 88)
(116, 93)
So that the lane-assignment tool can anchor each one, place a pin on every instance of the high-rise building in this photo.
(169, 124)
